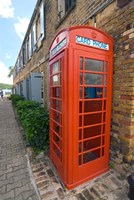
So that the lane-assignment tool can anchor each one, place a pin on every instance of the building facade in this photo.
(115, 17)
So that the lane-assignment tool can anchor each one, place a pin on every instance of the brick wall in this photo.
(120, 25)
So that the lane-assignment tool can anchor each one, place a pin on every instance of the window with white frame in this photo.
(24, 54)
(17, 66)
(40, 26)
(34, 37)
(21, 59)
(64, 6)
(38, 32)
(30, 45)
(42, 21)
(27, 50)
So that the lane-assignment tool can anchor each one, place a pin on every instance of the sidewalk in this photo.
(17, 180)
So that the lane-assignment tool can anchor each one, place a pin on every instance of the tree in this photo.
(11, 69)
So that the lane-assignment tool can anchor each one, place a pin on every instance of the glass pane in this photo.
(80, 92)
(80, 134)
(81, 62)
(91, 106)
(56, 104)
(80, 121)
(105, 92)
(56, 67)
(80, 160)
(104, 104)
(98, 92)
(81, 81)
(93, 79)
(90, 144)
(56, 80)
(94, 65)
(91, 156)
(57, 140)
(104, 117)
(92, 92)
(92, 131)
(80, 107)
(103, 140)
(102, 151)
(56, 92)
(105, 80)
(80, 147)
(57, 117)
(104, 129)
(105, 66)
(57, 151)
(92, 119)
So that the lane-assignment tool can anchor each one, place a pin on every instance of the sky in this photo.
(14, 19)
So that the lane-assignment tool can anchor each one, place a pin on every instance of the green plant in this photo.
(15, 98)
(36, 125)
(23, 107)
(35, 121)
(111, 164)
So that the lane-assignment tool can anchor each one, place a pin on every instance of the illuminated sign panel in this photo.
(92, 43)
(59, 46)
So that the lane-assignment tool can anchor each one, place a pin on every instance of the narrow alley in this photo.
(16, 182)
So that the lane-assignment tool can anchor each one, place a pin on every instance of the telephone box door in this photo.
(93, 88)
(57, 153)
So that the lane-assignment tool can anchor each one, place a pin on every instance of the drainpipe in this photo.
(101, 8)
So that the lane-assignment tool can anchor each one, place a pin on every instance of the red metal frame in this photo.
(80, 104)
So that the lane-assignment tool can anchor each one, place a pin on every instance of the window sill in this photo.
(65, 16)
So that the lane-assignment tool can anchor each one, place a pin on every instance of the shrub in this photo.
(16, 98)
(23, 107)
(36, 126)
(35, 121)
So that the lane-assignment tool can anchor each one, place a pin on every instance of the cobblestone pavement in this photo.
(16, 172)
(109, 186)
(16, 182)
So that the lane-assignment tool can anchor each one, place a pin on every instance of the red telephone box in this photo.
(80, 62)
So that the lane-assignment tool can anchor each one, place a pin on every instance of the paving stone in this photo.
(3, 177)
(42, 183)
(14, 185)
(60, 193)
(95, 192)
(2, 189)
(54, 199)
(27, 194)
(50, 173)
(72, 198)
(21, 190)
(116, 181)
(80, 197)
(87, 194)
(8, 195)
(37, 169)
(47, 195)
(7, 181)
(19, 197)
(41, 178)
